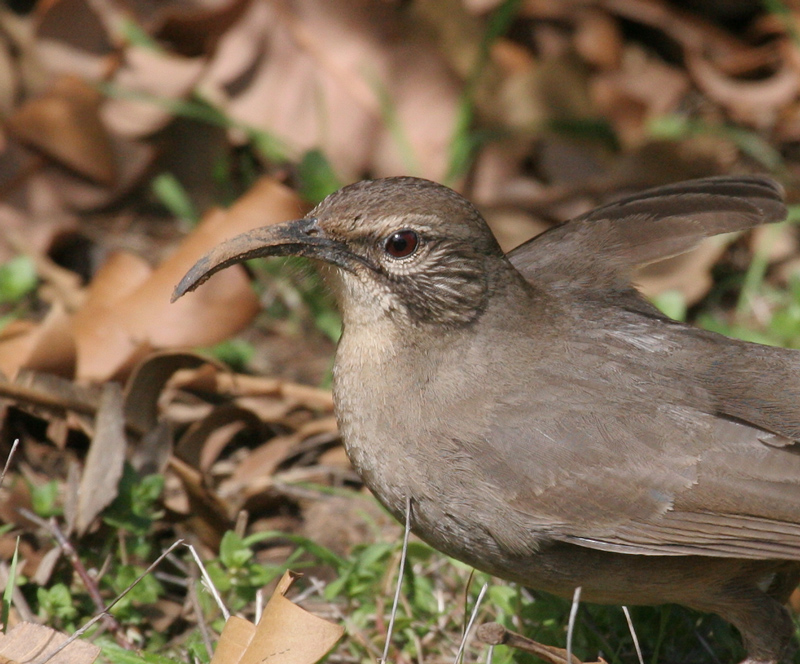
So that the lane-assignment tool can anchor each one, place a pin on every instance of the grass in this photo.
(437, 595)
(436, 599)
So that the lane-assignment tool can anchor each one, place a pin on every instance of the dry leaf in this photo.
(146, 383)
(114, 331)
(28, 643)
(147, 81)
(233, 641)
(288, 634)
(208, 515)
(204, 440)
(756, 103)
(104, 461)
(305, 68)
(72, 39)
(65, 125)
(643, 88)
(47, 346)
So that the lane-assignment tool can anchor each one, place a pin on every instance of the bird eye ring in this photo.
(401, 244)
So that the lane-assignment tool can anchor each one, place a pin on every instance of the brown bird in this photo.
(548, 424)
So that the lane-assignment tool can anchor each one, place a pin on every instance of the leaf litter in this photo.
(129, 437)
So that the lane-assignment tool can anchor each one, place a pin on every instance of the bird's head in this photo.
(401, 247)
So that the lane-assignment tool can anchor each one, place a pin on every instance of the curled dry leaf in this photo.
(65, 125)
(196, 32)
(751, 102)
(233, 641)
(71, 38)
(127, 311)
(293, 73)
(204, 440)
(242, 386)
(28, 642)
(104, 461)
(47, 346)
(307, 67)
(299, 636)
(132, 159)
(45, 394)
(146, 383)
(145, 84)
(113, 332)
(643, 88)
(209, 517)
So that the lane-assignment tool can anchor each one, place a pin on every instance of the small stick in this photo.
(633, 634)
(89, 582)
(494, 634)
(399, 581)
(108, 608)
(11, 453)
(573, 613)
(471, 622)
(209, 583)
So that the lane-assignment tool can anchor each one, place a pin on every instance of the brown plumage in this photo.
(548, 424)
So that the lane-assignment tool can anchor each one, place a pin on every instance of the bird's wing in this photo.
(601, 248)
(639, 483)
(641, 442)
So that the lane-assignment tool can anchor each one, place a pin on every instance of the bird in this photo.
(540, 418)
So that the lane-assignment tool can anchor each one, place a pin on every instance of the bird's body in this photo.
(546, 423)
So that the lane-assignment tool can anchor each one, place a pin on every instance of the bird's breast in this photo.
(398, 445)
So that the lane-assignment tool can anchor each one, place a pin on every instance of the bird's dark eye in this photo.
(401, 244)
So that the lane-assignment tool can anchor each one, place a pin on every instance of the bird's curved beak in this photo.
(302, 237)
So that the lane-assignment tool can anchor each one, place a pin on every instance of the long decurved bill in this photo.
(301, 237)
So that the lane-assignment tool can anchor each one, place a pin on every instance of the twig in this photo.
(108, 608)
(494, 634)
(11, 453)
(259, 606)
(209, 584)
(399, 581)
(89, 581)
(573, 613)
(633, 634)
(201, 623)
(471, 622)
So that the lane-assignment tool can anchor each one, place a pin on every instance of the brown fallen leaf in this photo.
(286, 634)
(204, 440)
(29, 643)
(196, 31)
(148, 80)
(233, 641)
(133, 161)
(65, 125)
(146, 383)
(208, 516)
(104, 461)
(113, 332)
(297, 70)
(47, 346)
(644, 87)
(755, 103)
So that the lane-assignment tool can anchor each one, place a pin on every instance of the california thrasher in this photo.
(548, 424)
